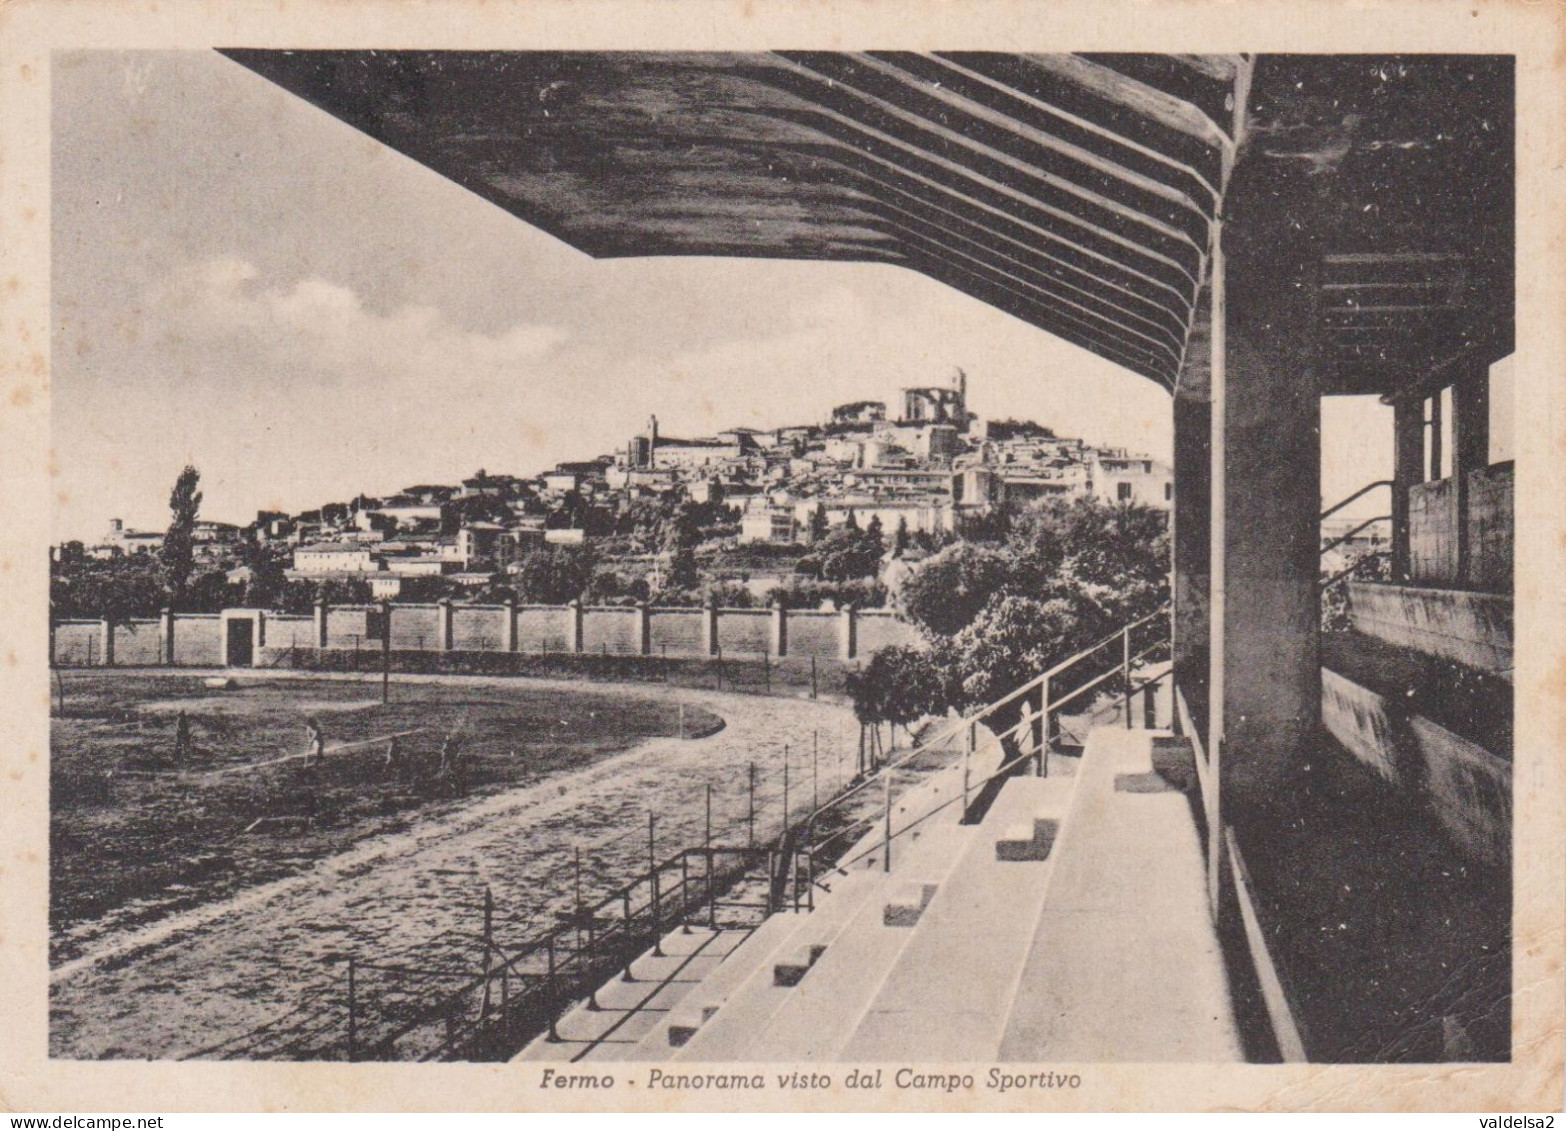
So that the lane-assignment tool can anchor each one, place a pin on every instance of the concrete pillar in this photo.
(574, 626)
(443, 625)
(1265, 673)
(508, 627)
(1191, 518)
(106, 642)
(166, 637)
(779, 636)
(848, 632)
(709, 627)
(260, 635)
(320, 623)
(1408, 430)
(643, 628)
(1470, 449)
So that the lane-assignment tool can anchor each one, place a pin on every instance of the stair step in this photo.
(905, 908)
(791, 971)
(1028, 842)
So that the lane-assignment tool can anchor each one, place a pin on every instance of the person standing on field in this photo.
(182, 749)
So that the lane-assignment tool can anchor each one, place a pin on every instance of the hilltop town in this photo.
(745, 506)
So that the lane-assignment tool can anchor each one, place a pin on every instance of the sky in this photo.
(246, 284)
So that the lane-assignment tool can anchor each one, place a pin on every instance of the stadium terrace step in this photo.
(947, 994)
(1123, 963)
(626, 1009)
(790, 971)
(813, 1019)
(1028, 842)
(704, 1000)
(905, 908)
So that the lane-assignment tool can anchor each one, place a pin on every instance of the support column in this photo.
(709, 627)
(643, 628)
(166, 637)
(779, 641)
(574, 625)
(508, 628)
(848, 632)
(1265, 675)
(1407, 472)
(1470, 450)
(443, 625)
(1191, 517)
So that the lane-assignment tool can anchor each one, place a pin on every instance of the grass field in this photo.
(136, 833)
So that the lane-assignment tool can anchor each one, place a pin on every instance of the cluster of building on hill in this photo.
(924, 470)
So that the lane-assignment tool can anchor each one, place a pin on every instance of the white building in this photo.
(334, 557)
(1117, 476)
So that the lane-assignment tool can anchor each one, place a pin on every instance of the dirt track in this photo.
(198, 977)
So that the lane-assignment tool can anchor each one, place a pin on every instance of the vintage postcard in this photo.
(930, 556)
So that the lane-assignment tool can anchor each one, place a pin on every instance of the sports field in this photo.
(141, 828)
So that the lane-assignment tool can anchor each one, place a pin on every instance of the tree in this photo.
(818, 523)
(898, 685)
(900, 537)
(876, 533)
(852, 521)
(178, 555)
(684, 572)
(946, 592)
(554, 575)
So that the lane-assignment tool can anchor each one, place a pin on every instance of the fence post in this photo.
(574, 615)
(554, 996)
(166, 637)
(779, 640)
(712, 905)
(785, 787)
(353, 1011)
(750, 834)
(443, 620)
(815, 773)
(386, 615)
(766, 674)
(812, 675)
(489, 941)
(709, 629)
(1125, 669)
(653, 878)
(967, 759)
(1042, 725)
(106, 642)
(886, 854)
(848, 631)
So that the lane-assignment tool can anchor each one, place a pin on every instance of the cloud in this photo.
(317, 326)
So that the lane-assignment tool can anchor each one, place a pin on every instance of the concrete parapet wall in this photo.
(1490, 528)
(1452, 624)
(1468, 788)
(198, 640)
(191, 639)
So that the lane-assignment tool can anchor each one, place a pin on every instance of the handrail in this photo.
(1365, 490)
(963, 722)
(1336, 542)
(1344, 573)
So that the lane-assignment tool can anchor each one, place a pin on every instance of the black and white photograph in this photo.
(811, 573)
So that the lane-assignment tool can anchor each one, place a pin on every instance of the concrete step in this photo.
(1123, 963)
(1028, 841)
(627, 1009)
(947, 995)
(813, 1020)
(703, 1002)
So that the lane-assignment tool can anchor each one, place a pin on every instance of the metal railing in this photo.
(1031, 737)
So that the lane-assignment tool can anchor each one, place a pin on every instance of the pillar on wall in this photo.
(709, 626)
(443, 625)
(574, 625)
(166, 637)
(848, 632)
(1191, 516)
(1265, 672)
(320, 623)
(643, 628)
(1408, 438)
(508, 628)
(106, 642)
(1470, 448)
(779, 636)
(260, 637)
